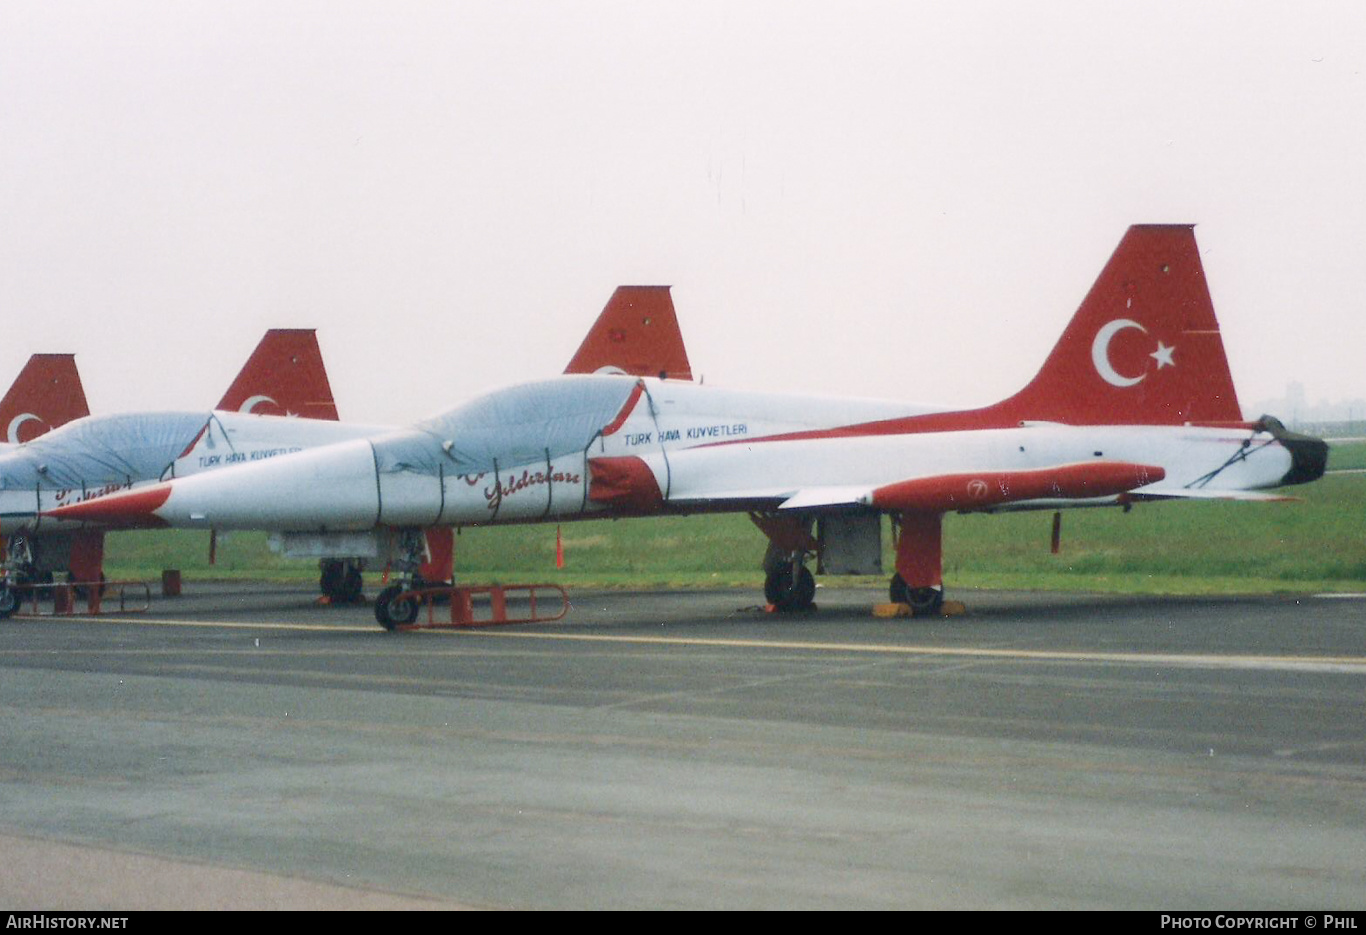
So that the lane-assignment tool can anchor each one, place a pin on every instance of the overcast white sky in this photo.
(886, 199)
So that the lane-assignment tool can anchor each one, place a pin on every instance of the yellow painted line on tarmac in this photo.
(1355, 665)
(1351, 664)
(207, 624)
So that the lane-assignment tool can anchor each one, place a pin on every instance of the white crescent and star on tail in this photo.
(253, 401)
(17, 423)
(1100, 353)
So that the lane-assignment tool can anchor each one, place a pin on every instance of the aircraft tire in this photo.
(331, 576)
(83, 593)
(353, 586)
(9, 601)
(341, 581)
(787, 595)
(391, 613)
(922, 601)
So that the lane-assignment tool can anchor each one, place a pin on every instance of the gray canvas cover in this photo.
(519, 425)
(100, 450)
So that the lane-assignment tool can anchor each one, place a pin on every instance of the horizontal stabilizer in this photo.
(1181, 493)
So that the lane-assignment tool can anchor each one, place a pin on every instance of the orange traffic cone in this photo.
(559, 549)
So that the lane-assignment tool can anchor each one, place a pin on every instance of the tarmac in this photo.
(241, 746)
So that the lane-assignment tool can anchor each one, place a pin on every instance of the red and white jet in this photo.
(636, 333)
(88, 455)
(1134, 403)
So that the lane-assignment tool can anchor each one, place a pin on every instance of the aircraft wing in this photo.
(969, 490)
(814, 497)
(784, 498)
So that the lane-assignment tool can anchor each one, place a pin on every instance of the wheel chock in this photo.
(326, 601)
(775, 609)
(949, 609)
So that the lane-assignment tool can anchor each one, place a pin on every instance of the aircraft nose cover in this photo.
(1308, 458)
(627, 485)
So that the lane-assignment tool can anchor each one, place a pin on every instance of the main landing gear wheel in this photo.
(341, 582)
(393, 613)
(922, 601)
(790, 590)
(83, 593)
(9, 601)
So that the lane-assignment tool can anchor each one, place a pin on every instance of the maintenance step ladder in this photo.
(466, 611)
(99, 596)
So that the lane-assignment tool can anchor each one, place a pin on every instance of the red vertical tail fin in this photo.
(637, 333)
(1144, 346)
(284, 376)
(47, 393)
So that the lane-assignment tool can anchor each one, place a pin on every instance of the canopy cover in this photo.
(519, 425)
(100, 450)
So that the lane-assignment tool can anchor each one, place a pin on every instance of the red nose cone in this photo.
(134, 509)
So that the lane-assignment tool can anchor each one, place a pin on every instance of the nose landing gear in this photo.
(395, 606)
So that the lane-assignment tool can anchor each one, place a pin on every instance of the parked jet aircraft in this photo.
(1134, 403)
(637, 332)
(283, 377)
